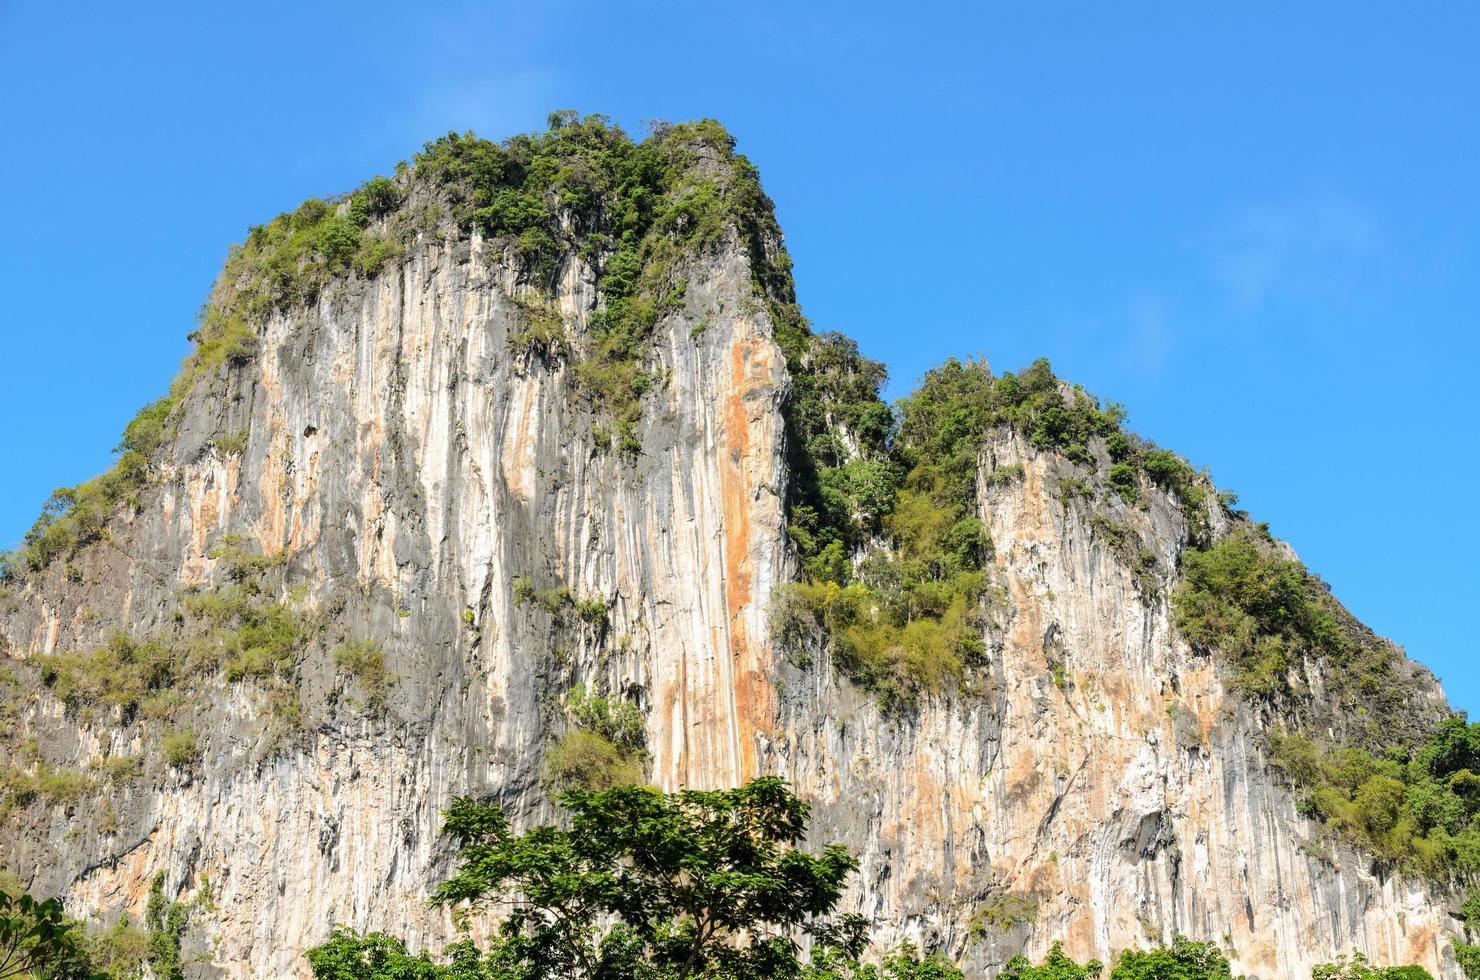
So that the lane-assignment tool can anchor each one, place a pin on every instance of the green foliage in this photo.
(374, 956)
(289, 260)
(1468, 957)
(239, 631)
(838, 497)
(44, 784)
(1004, 913)
(1418, 810)
(253, 636)
(242, 630)
(592, 611)
(1055, 966)
(123, 673)
(583, 759)
(898, 659)
(543, 333)
(905, 963)
(1357, 968)
(604, 747)
(118, 768)
(1253, 607)
(364, 660)
(1172, 473)
(618, 720)
(909, 622)
(242, 561)
(36, 939)
(559, 602)
(1270, 618)
(1470, 910)
(1127, 545)
(1125, 482)
(1183, 960)
(1073, 488)
(1365, 753)
(179, 748)
(642, 885)
(376, 198)
(166, 922)
(75, 516)
(906, 618)
(649, 884)
(632, 210)
(1004, 475)
(120, 952)
(231, 443)
(1036, 403)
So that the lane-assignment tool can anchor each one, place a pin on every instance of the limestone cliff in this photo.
(394, 462)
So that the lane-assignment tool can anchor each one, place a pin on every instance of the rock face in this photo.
(412, 470)
(1106, 790)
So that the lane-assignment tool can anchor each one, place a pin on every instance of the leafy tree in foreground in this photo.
(36, 939)
(348, 956)
(1357, 968)
(1184, 959)
(1056, 966)
(642, 886)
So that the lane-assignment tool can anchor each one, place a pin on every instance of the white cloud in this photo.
(477, 66)
(1149, 341)
(1320, 242)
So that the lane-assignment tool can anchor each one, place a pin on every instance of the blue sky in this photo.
(1258, 228)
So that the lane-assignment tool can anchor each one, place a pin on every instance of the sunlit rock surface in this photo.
(1100, 784)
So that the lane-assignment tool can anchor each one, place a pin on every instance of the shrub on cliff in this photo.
(1356, 967)
(1055, 966)
(1418, 810)
(888, 515)
(1184, 959)
(603, 748)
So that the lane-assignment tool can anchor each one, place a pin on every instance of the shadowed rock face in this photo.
(1100, 784)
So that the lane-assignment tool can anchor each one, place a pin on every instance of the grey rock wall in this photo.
(1100, 785)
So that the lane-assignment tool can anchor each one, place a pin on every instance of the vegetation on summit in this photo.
(582, 189)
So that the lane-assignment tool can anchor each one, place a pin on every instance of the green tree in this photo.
(36, 939)
(166, 921)
(1055, 966)
(347, 956)
(1470, 910)
(1356, 967)
(905, 963)
(692, 883)
(1184, 959)
(642, 885)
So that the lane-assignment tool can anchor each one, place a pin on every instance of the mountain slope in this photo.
(543, 417)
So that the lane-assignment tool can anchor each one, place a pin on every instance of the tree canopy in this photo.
(37, 939)
(642, 885)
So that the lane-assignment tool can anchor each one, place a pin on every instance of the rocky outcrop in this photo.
(411, 466)
(1105, 788)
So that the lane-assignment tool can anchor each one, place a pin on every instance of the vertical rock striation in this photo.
(1106, 788)
(406, 466)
